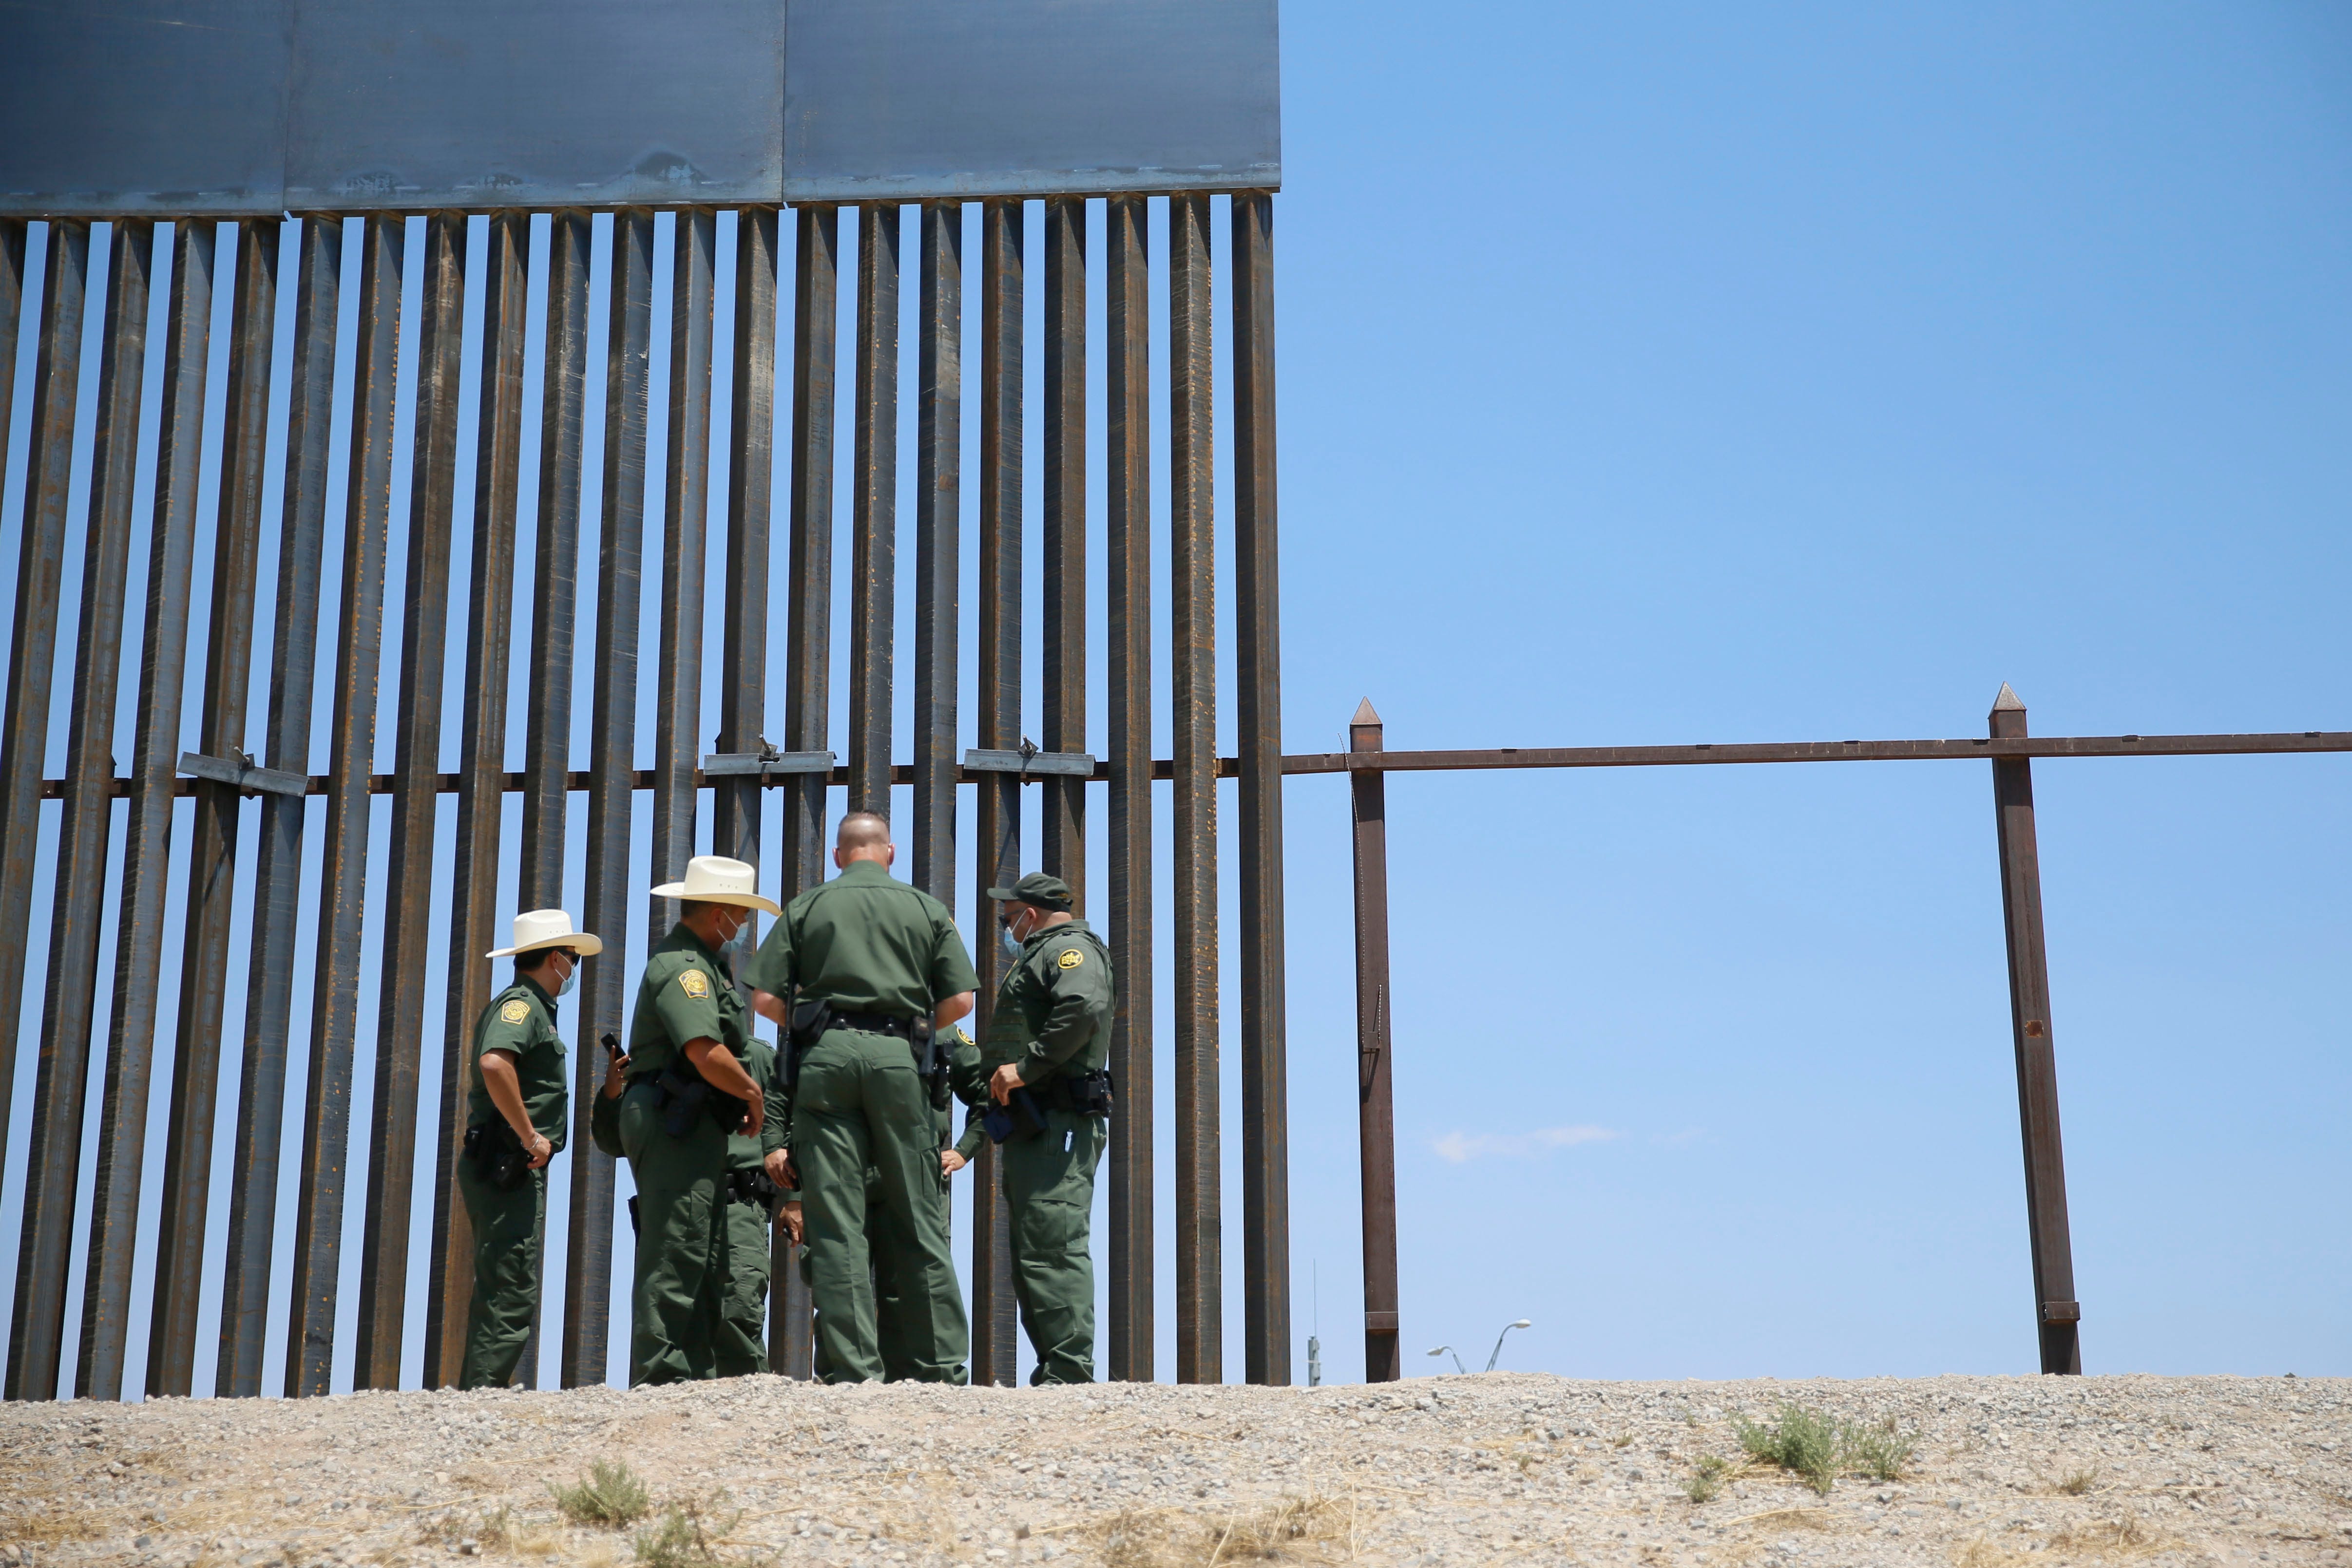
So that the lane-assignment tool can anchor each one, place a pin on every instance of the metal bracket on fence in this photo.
(2062, 1311)
(1029, 759)
(243, 773)
(761, 763)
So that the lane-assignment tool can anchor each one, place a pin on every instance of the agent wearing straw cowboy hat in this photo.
(517, 1090)
(687, 1094)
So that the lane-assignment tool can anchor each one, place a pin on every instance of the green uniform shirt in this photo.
(866, 943)
(1053, 1009)
(520, 1020)
(685, 995)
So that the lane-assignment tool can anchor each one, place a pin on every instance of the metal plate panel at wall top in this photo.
(232, 107)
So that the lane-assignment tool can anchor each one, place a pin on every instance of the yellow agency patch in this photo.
(694, 983)
(1071, 959)
(515, 1011)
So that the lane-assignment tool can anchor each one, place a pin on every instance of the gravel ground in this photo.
(1503, 1469)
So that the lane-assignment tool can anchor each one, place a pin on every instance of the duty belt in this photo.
(873, 1023)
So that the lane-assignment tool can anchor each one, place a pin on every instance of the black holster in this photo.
(498, 1154)
(1020, 1118)
(754, 1186)
(810, 1018)
(686, 1095)
(930, 1048)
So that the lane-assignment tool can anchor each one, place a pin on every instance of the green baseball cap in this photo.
(1037, 888)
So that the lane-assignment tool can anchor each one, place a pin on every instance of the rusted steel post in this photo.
(874, 510)
(1257, 636)
(737, 804)
(612, 893)
(416, 778)
(997, 854)
(808, 642)
(116, 1190)
(351, 752)
(278, 877)
(938, 474)
(61, 1079)
(1062, 821)
(2057, 1314)
(1375, 1110)
(1192, 610)
(686, 542)
(11, 307)
(212, 855)
(1127, 325)
(482, 771)
(743, 654)
(33, 637)
(556, 575)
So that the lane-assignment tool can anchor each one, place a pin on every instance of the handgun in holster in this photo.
(932, 1050)
(1020, 1118)
(812, 1016)
(754, 1186)
(498, 1154)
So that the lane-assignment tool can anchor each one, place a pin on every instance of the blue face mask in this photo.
(569, 980)
(1009, 943)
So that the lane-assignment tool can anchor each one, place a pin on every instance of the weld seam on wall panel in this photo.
(278, 883)
(481, 771)
(416, 761)
(212, 893)
(61, 1079)
(1128, 368)
(1266, 1116)
(874, 511)
(147, 840)
(342, 915)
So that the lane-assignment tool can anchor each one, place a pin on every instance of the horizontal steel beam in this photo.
(979, 765)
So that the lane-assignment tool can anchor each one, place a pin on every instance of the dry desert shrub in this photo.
(2113, 1539)
(1315, 1529)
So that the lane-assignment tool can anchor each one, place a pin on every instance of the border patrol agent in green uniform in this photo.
(872, 967)
(518, 1089)
(688, 1043)
(1046, 1055)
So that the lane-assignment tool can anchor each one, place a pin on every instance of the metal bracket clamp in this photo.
(2062, 1311)
(244, 774)
(1029, 759)
(761, 763)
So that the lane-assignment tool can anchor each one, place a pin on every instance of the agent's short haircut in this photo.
(530, 963)
(861, 830)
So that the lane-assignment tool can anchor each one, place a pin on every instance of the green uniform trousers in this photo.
(1049, 1193)
(859, 1104)
(682, 1241)
(902, 1319)
(743, 1315)
(507, 1230)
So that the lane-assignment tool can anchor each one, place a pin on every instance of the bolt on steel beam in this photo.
(2057, 1316)
(277, 878)
(1128, 410)
(343, 911)
(874, 510)
(1192, 600)
(939, 429)
(417, 765)
(1062, 817)
(480, 780)
(611, 892)
(61, 1078)
(212, 893)
(1375, 1105)
(997, 854)
(1257, 636)
(116, 1188)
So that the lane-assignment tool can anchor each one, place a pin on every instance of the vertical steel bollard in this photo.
(874, 510)
(1375, 1110)
(2057, 1314)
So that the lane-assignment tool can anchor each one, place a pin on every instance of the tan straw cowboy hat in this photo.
(547, 928)
(715, 879)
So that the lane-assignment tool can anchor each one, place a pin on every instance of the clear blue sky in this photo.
(1706, 373)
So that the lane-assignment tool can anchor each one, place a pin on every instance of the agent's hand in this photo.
(951, 1162)
(795, 1220)
(779, 1166)
(755, 1113)
(617, 1083)
(542, 1151)
(1007, 1079)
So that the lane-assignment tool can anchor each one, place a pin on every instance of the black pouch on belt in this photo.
(682, 1100)
(498, 1154)
(1018, 1118)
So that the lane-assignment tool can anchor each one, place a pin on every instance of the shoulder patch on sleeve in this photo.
(694, 983)
(515, 1011)
(1071, 959)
